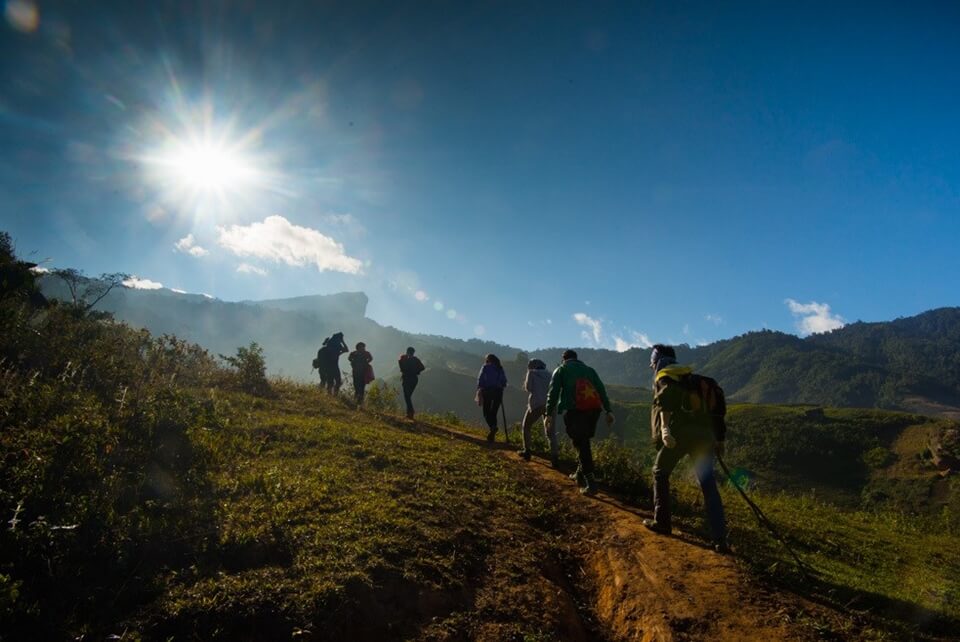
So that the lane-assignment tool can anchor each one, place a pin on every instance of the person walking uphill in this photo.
(536, 383)
(490, 384)
(686, 419)
(328, 360)
(410, 369)
(360, 361)
(577, 392)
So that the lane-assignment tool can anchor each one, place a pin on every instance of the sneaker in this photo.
(575, 476)
(490, 436)
(721, 547)
(554, 462)
(525, 454)
(655, 527)
(589, 486)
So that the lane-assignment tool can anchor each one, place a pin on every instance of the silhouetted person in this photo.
(490, 384)
(329, 359)
(360, 361)
(536, 383)
(678, 432)
(410, 369)
(577, 392)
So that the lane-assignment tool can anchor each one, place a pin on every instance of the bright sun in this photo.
(204, 169)
(208, 167)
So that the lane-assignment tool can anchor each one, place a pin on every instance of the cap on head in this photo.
(410, 351)
(569, 354)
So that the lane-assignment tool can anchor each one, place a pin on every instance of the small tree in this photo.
(86, 292)
(250, 369)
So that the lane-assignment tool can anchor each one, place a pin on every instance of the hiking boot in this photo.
(589, 486)
(655, 527)
(575, 476)
(491, 435)
(554, 462)
(525, 454)
(721, 547)
(410, 415)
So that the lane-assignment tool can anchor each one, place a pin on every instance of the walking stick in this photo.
(506, 431)
(762, 519)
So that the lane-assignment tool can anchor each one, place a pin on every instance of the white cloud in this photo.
(178, 291)
(686, 328)
(137, 283)
(279, 240)
(39, 269)
(246, 268)
(595, 327)
(715, 319)
(188, 245)
(637, 340)
(813, 317)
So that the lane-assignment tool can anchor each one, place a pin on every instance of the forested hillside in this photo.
(907, 364)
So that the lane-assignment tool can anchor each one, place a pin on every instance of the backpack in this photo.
(586, 396)
(703, 402)
(316, 361)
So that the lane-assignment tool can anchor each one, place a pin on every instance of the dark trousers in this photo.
(701, 452)
(492, 398)
(409, 385)
(359, 386)
(330, 379)
(581, 426)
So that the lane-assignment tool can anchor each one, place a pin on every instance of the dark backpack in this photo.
(703, 402)
(317, 362)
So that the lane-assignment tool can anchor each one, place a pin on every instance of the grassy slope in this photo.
(334, 523)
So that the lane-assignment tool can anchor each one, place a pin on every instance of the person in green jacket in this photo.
(577, 392)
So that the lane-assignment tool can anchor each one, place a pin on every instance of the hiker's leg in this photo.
(408, 387)
(490, 410)
(703, 467)
(551, 435)
(666, 461)
(528, 419)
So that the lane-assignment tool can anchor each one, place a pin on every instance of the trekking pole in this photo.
(763, 520)
(506, 431)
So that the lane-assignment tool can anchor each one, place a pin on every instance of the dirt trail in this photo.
(650, 587)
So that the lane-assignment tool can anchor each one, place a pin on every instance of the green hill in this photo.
(147, 494)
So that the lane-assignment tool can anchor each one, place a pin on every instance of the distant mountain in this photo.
(910, 363)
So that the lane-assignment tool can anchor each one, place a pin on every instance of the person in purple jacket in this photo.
(490, 385)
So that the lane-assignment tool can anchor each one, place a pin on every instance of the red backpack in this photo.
(587, 397)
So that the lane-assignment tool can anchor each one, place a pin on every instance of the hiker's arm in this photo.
(603, 393)
(553, 393)
(526, 382)
(668, 439)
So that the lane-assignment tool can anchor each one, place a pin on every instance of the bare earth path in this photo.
(650, 587)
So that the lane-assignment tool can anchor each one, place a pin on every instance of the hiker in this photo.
(681, 424)
(536, 384)
(360, 365)
(577, 392)
(490, 384)
(328, 358)
(410, 369)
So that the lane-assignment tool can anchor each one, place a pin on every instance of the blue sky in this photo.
(604, 175)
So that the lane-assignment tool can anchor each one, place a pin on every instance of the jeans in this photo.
(667, 459)
(492, 398)
(409, 385)
(581, 426)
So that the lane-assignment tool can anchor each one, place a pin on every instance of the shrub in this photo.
(250, 369)
(381, 399)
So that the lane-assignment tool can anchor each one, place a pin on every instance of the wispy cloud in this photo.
(635, 340)
(348, 222)
(715, 319)
(39, 269)
(137, 283)
(246, 268)
(594, 331)
(279, 240)
(813, 317)
(188, 245)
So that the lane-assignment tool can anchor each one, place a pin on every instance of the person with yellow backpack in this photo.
(687, 418)
(577, 392)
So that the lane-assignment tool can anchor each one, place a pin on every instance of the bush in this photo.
(250, 369)
(381, 399)
(878, 457)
